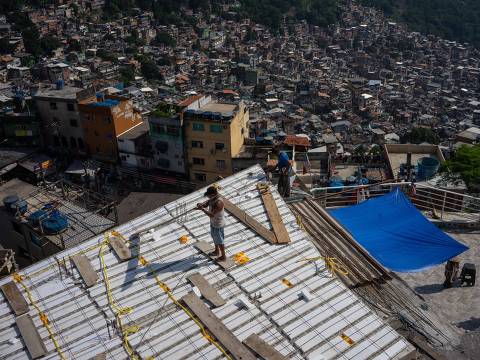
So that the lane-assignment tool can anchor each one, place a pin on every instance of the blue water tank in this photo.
(55, 223)
(59, 83)
(363, 181)
(8, 201)
(283, 160)
(268, 140)
(21, 206)
(14, 204)
(427, 168)
(37, 216)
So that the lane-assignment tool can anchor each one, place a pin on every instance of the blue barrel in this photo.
(283, 160)
(20, 206)
(427, 168)
(259, 139)
(363, 181)
(55, 223)
(8, 201)
(37, 216)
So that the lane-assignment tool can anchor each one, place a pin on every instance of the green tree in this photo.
(105, 55)
(49, 43)
(6, 47)
(127, 75)
(10, 5)
(163, 38)
(465, 165)
(74, 45)
(419, 135)
(31, 41)
(150, 69)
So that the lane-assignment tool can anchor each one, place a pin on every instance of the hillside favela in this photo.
(239, 179)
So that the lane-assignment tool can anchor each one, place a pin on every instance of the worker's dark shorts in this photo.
(218, 235)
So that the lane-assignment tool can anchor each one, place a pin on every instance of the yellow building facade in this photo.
(214, 134)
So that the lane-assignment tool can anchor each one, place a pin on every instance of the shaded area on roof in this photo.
(139, 203)
(397, 234)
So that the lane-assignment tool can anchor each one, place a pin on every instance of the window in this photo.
(200, 177)
(221, 164)
(162, 146)
(172, 130)
(197, 144)
(198, 161)
(165, 163)
(70, 106)
(215, 128)
(53, 106)
(73, 123)
(219, 146)
(198, 127)
(157, 129)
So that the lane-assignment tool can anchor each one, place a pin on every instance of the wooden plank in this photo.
(250, 222)
(207, 290)
(85, 269)
(15, 298)
(372, 262)
(30, 336)
(274, 216)
(425, 347)
(120, 248)
(262, 349)
(206, 249)
(217, 328)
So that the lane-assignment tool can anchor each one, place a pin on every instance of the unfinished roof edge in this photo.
(333, 323)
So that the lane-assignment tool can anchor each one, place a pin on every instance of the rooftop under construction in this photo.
(150, 289)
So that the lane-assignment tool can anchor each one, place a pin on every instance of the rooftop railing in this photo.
(437, 203)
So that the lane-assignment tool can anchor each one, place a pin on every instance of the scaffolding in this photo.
(87, 214)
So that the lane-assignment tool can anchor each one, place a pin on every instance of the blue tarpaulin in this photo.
(395, 233)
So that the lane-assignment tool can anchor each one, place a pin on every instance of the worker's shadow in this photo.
(429, 289)
(471, 325)
(135, 268)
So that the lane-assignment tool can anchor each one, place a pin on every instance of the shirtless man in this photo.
(216, 213)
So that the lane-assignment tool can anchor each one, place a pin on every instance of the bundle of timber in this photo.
(334, 241)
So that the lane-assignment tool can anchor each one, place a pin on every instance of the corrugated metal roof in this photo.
(297, 328)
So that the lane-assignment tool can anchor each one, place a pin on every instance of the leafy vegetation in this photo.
(49, 43)
(419, 135)
(272, 12)
(465, 165)
(6, 47)
(149, 68)
(165, 110)
(105, 55)
(164, 38)
(450, 19)
(127, 75)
